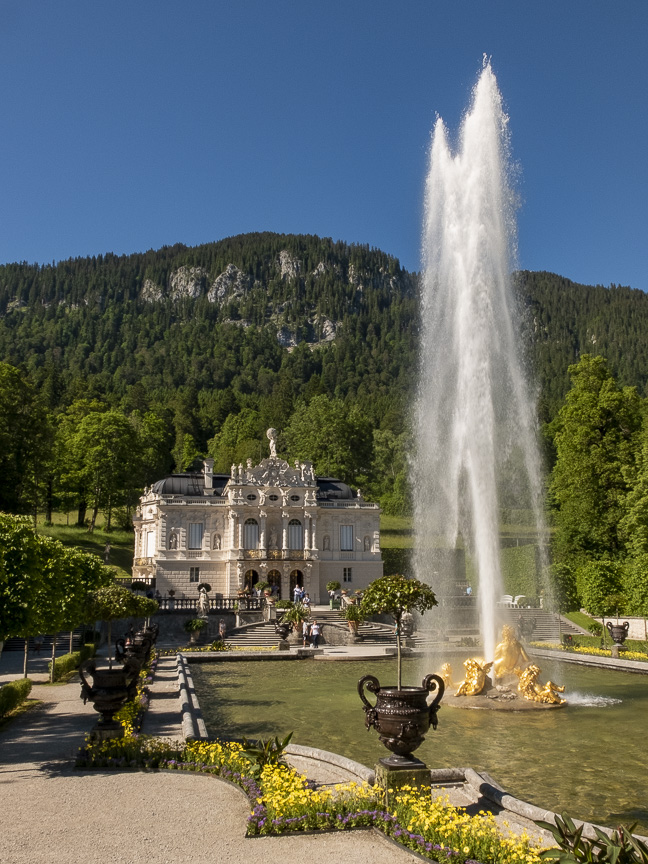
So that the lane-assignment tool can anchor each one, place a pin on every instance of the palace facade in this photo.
(265, 523)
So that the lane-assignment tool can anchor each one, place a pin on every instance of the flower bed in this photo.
(584, 649)
(215, 647)
(283, 800)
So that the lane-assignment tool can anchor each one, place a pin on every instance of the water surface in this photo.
(588, 758)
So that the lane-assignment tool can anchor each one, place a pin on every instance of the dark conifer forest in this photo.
(186, 351)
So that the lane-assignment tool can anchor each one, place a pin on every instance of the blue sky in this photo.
(131, 125)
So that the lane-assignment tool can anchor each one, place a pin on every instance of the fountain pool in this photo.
(588, 758)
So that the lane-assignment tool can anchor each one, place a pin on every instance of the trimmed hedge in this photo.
(396, 560)
(13, 694)
(67, 663)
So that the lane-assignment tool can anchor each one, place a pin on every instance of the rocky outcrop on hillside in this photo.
(187, 282)
(231, 284)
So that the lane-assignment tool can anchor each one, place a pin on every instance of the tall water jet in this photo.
(475, 421)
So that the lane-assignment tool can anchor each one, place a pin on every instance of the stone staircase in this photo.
(262, 635)
(549, 627)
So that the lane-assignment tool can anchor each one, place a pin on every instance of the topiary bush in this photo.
(67, 663)
(13, 694)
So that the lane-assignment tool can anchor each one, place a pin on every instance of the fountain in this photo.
(475, 420)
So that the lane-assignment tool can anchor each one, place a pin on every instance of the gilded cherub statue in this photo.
(509, 654)
(535, 692)
(446, 675)
(476, 672)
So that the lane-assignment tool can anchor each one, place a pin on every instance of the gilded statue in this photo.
(446, 675)
(475, 680)
(532, 690)
(509, 654)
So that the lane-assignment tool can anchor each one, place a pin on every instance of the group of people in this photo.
(300, 596)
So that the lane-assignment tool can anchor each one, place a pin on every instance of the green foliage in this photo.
(336, 438)
(564, 587)
(193, 625)
(333, 586)
(295, 614)
(393, 595)
(395, 560)
(619, 848)
(353, 612)
(13, 694)
(520, 570)
(600, 587)
(636, 585)
(595, 435)
(263, 753)
(20, 574)
(67, 663)
(114, 601)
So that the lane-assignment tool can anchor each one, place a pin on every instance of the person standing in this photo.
(306, 630)
(222, 629)
(315, 634)
(297, 593)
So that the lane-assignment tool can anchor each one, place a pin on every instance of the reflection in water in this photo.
(587, 758)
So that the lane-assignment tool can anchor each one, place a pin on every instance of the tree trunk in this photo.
(81, 516)
(95, 510)
(109, 516)
(398, 651)
(48, 502)
(71, 641)
(26, 656)
(53, 664)
(110, 644)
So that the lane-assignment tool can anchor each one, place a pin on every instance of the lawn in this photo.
(121, 542)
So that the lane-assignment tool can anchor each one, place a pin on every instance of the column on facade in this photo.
(233, 529)
(313, 544)
(284, 530)
(262, 529)
(307, 531)
(239, 544)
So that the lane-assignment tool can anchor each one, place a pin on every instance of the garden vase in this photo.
(618, 632)
(401, 717)
(110, 689)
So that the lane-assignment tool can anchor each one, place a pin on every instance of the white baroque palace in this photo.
(265, 523)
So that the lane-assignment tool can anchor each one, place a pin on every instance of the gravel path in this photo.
(52, 814)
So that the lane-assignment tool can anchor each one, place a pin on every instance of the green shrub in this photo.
(396, 560)
(194, 624)
(13, 694)
(67, 663)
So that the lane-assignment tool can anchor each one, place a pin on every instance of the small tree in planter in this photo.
(296, 614)
(332, 587)
(394, 595)
(193, 627)
(353, 615)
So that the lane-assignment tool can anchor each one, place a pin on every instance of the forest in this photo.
(118, 369)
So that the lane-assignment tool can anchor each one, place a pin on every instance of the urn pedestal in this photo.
(110, 690)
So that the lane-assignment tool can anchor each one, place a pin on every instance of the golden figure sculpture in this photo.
(532, 690)
(509, 654)
(476, 672)
(446, 675)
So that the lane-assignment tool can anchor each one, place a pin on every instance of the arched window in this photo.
(274, 578)
(296, 578)
(251, 538)
(295, 534)
(251, 578)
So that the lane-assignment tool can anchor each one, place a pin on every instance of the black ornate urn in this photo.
(110, 690)
(618, 632)
(401, 717)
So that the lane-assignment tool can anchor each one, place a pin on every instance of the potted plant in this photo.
(171, 599)
(401, 715)
(138, 585)
(295, 615)
(332, 587)
(193, 627)
(352, 614)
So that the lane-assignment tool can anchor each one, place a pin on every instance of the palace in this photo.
(265, 523)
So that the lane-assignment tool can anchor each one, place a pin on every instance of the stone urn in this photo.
(618, 632)
(401, 717)
(110, 690)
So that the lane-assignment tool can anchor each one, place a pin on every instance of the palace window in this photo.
(295, 534)
(251, 534)
(347, 574)
(150, 544)
(195, 535)
(194, 574)
(346, 538)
